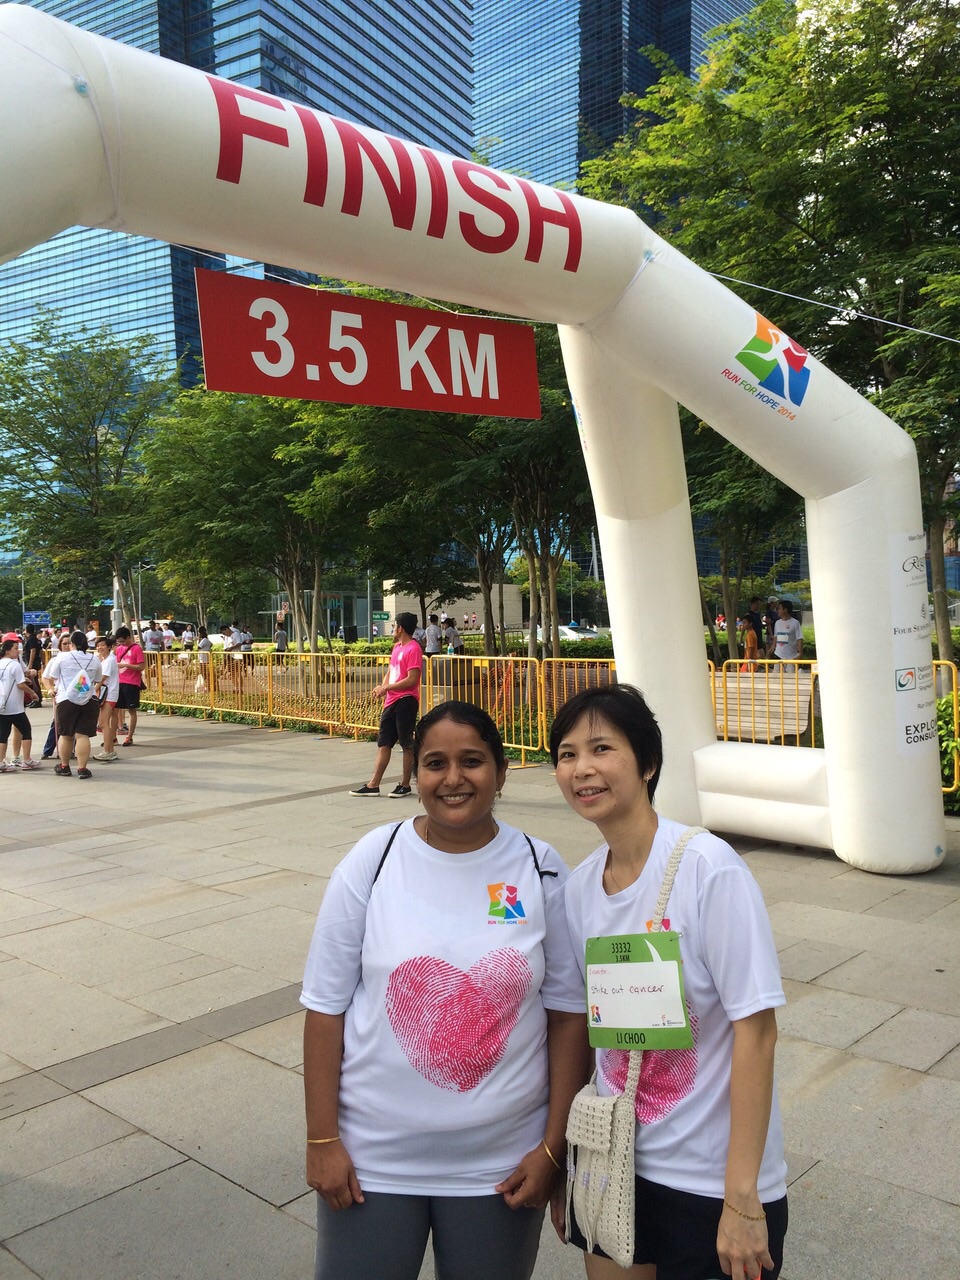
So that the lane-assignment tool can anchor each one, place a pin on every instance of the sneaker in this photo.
(400, 793)
(123, 729)
(365, 791)
(127, 742)
(63, 771)
(17, 762)
(30, 764)
(46, 755)
(107, 757)
(7, 767)
(84, 773)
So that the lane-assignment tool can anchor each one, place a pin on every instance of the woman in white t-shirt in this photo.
(13, 717)
(710, 1185)
(109, 686)
(439, 974)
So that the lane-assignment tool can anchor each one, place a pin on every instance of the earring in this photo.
(499, 795)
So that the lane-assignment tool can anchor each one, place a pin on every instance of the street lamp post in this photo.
(140, 569)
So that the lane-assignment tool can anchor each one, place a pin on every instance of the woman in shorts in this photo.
(710, 1186)
(110, 687)
(13, 717)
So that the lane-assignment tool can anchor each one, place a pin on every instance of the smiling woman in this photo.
(445, 1032)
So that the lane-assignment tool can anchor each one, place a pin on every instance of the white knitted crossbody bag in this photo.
(601, 1132)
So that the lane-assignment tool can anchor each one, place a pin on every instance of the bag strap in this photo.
(669, 875)
(383, 856)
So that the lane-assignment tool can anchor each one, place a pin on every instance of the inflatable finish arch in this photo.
(103, 135)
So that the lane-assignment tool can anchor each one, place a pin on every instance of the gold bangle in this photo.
(319, 1142)
(553, 1158)
(750, 1217)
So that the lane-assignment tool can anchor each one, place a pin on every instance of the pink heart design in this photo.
(453, 1026)
(666, 1076)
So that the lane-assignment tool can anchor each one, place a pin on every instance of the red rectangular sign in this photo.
(266, 338)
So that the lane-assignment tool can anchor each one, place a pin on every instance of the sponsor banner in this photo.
(272, 339)
(915, 701)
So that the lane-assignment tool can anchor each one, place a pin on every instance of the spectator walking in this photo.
(169, 636)
(72, 677)
(434, 637)
(788, 635)
(204, 646)
(14, 685)
(130, 664)
(280, 638)
(452, 636)
(400, 692)
(110, 688)
(749, 644)
(152, 638)
(188, 637)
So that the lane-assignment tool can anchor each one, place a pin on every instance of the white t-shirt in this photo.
(152, 640)
(169, 636)
(67, 667)
(730, 970)
(444, 970)
(787, 633)
(204, 645)
(111, 673)
(433, 638)
(12, 673)
(246, 641)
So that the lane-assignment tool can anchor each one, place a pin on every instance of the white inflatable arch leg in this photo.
(98, 134)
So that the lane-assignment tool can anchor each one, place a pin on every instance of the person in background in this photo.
(152, 637)
(280, 638)
(788, 635)
(769, 624)
(32, 650)
(710, 1187)
(749, 644)
(452, 637)
(400, 691)
(204, 646)
(50, 745)
(109, 683)
(188, 637)
(130, 664)
(756, 617)
(433, 640)
(246, 644)
(13, 717)
(169, 636)
(72, 677)
(442, 1045)
(473, 620)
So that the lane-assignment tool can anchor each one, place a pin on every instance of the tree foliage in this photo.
(815, 154)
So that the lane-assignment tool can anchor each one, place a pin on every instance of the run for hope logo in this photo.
(779, 365)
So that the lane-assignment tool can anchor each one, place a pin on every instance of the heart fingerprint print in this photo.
(453, 1026)
(666, 1076)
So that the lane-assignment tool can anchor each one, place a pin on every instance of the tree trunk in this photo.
(938, 577)
(486, 593)
(709, 624)
(502, 628)
(534, 601)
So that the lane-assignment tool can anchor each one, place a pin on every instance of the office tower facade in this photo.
(549, 74)
(403, 66)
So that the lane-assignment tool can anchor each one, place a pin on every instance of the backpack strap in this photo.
(536, 861)
(383, 856)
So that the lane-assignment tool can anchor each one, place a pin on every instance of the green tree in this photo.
(75, 411)
(815, 154)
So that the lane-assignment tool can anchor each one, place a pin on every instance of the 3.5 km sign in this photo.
(267, 338)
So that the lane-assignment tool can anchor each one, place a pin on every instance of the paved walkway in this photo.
(153, 926)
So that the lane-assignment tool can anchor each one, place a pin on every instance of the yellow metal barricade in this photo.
(767, 701)
(945, 686)
(307, 687)
(561, 678)
(361, 673)
(506, 688)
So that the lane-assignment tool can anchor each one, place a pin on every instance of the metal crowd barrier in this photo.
(764, 701)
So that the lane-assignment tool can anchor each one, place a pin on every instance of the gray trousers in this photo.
(385, 1238)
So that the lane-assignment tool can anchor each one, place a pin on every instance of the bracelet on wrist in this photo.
(553, 1159)
(321, 1142)
(750, 1217)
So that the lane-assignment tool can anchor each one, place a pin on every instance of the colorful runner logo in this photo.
(504, 903)
(777, 362)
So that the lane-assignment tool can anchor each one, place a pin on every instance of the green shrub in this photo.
(949, 749)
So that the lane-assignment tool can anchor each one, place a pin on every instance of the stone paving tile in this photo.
(947, 917)
(833, 1017)
(56, 1131)
(912, 1038)
(48, 1019)
(129, 1055)
(62, 1187)
(91, 953)
(193, 1103)
(11, 1269)
(948, 1067)
(285, 888)
(837, 892)
(167, 1226)
(870, 1118)
(804, 961)
(127, 986)
(169, 928)
(10, 1068)
(911, 979)
(275, 939)
(36, 865)
(227, 986)
(26, 1089)
(847, 1225)
(43, 919)
(280, 1042)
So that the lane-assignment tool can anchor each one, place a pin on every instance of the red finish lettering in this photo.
(477, 239)
(234, 125)
(439, 196)
(566, 217)
(401, 192)
(318, 168)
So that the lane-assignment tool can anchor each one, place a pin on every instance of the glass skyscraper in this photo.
(403, 66)
(549, 74)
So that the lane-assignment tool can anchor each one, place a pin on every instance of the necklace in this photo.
(616, 883)
(427, 840)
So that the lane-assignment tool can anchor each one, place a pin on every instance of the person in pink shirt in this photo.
(130, 663)
(400, 692)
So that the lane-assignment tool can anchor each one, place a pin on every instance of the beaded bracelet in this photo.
(750, 1217)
